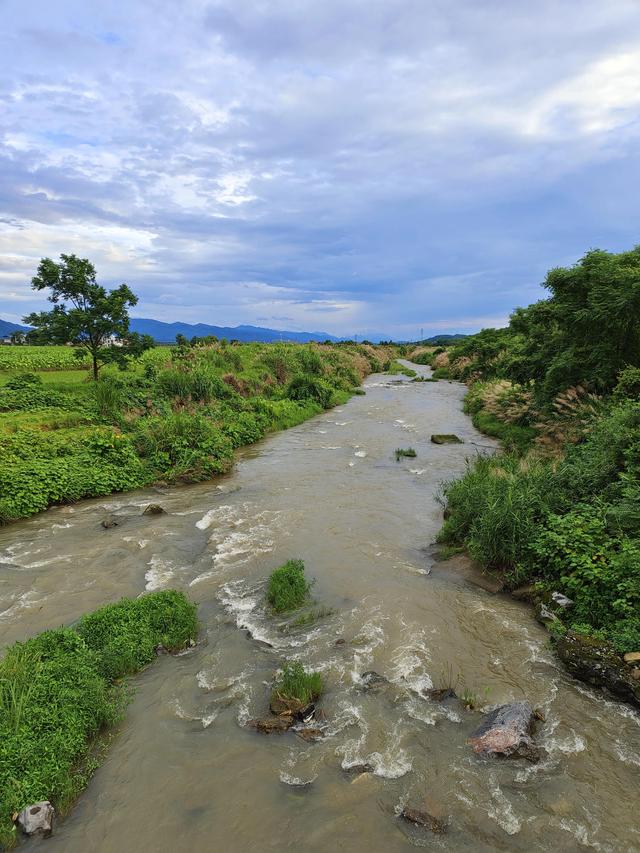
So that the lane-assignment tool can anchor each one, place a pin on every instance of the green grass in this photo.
(57, 696)
(512, 436)
(409, 452)
(295, 683)
(395, 368)
(287, 588)
(441, 373)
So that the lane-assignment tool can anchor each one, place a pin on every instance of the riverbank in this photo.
(172, 416)
(552, 516)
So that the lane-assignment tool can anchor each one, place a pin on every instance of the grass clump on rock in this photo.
(405, 451)
(57, 694)
(288, 589)
(296, 685)
(445, 438)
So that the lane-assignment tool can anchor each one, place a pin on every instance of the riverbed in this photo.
(184, 773)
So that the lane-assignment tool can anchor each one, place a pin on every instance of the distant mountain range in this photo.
(165, 333)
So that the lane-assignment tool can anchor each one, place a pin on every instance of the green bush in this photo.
(294, 682)
(303, 388)
(287, 588)
(125, 634)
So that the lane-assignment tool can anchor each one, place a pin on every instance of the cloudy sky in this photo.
(351, 166)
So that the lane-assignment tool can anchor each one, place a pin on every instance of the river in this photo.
(183, 772)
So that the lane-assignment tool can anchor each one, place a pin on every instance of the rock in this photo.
(359, 769)
(524, 593)
(109, 522)
(37, 819)
(424, 819)
(153, 509)
(340, 642)
(561, 601)
(632, 657)
(506, 731)
(160, 650)
(445, 438)
(271, 725)
(441, 694)
(598, 664)
(310, 735)
(373, 680)
(545, 616)
(283, 706)
(635, 673)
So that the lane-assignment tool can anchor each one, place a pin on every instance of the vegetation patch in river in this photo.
(58, 693)
(288, 588)
(295, 688)
(409, 452)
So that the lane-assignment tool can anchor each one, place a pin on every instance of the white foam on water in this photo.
(25, 601)
(570, 745)
(410, 660)
(159, 573)
(206, 719)
(64, 526)
(321, 431)
(395, 761)
(502, 812)
(352, 464)
(360, 454)
(625, 754)
(417, 471)
(296, 781)
(39, 564)
(222, 513)
(330, 447)
(580, 832)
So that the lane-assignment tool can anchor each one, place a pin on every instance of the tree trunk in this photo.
(95, 366)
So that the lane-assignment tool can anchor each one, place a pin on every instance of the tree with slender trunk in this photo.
(84, 313)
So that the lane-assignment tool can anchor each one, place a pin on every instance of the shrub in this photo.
(305, 387)
(407, 451)
(294, 682)
(287, 588)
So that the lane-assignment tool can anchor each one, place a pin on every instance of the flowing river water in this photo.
(184, 773)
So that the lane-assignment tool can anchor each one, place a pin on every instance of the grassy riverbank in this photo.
(559, 509)
(174, 415)
(59, 695)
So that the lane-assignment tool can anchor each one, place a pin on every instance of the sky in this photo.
(350, 166)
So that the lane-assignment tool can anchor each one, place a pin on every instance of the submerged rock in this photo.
(424, 819)
(506, 731)
(109, 522)
(271, 725)
(441, 694)
(359, 769)
(153, 509)
(598, 664)
(37, 819)
(372, 680)
(445, 438)
(310, 735)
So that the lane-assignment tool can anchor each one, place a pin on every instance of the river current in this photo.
(184, 773)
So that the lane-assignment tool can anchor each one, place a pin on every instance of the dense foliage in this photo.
(166, 415)
(561, 387)
(57, 694)
(295, 683)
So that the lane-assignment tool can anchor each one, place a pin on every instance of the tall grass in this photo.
(287, 588)
(294, 682)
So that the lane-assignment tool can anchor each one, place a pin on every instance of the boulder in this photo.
(283, 706)
(445, 438)
(271, 725)
(310, 735)
(340, 641)
(598, 664)
(632, 657)
(560, 601)
(506, 731)
(359, 769)
(424, 819)
(153, 509)
(37, 819)
(109, 522)
(544, 615)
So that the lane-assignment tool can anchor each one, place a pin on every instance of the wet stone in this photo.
(109, 522)
(310, 735)
(373, 680)
(445, 438)
(154, 509)
(272, 725)
(506, 732)
(424, 819)
(598, 664)
(544, 615)
(37, 819)
(441, 694)
(358, 769)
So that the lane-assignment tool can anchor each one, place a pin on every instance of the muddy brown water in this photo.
(184, 773)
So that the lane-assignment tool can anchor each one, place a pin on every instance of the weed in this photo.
(407, 451)
(295, 683)
(287, 588)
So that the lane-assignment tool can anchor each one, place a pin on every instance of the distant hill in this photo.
(166, 332)
(443, 340)
(6, 328)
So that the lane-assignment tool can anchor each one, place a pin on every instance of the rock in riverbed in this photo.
(37, 819)
(424, 819)
(373, 680)
(506, 732)
(109, 522)
(153, 509)
(598, 664)
(271, 725)
(445, 438)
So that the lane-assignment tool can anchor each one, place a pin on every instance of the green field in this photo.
(173, 415)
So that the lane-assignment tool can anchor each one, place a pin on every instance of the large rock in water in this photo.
(37, 819)
(422, 818)
(598, 664)
(445, 438)
(506, 732)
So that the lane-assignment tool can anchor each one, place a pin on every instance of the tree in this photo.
(17, 338)
(84, 313)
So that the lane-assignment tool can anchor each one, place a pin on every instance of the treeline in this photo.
(560, 509)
